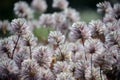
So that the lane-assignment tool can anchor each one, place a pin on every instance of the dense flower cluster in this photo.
(83, 51)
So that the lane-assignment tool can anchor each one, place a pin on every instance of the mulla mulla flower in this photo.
(108, 18)
(98, 29)
(19, 26)
(77, 51)
(65, 76)
(30, 70)
(6, 47)
(56, 38)
(102, 62)
(43, 56)
(95, 74)
(46, 74)
(8, 69)
(63, 52)
(72, 15)
(61, 4)
(61, 67)
(39, 5)
(22, 10)
(79, 30)
(104, 7)
(46, 20)
(29, 39)
(79, 71)
(113, 38)
(60, 20)
(116, 9)
(94, 46)
(20, 56)
(112, 26)
(4, 26)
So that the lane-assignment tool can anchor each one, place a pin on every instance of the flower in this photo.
(61, 67)
(39, 5)
(8, 69)
(56, 38)
(28, 39)
(20, 56)
(6, 46)
(30, 70)
(43, 56)
(46, 74)
(80, 68)
(116, 9)
(95, 74)
(61, 4)
(19, 26)
(22, 10)
(104, 7)
(63, 52)
(94, 46)
(65, 76)
(98, 29)
(60, 20)
(79, 30)
(5, 26)
(113, 38)
(72, 15)
(46, 20)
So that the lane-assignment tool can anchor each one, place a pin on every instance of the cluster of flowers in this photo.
(83, 51)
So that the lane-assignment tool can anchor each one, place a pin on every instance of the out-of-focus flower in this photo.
(30, 70)
(72, 14)
(46, 20)
(116, 9)
(109, 18)
(8, 69)
(43, 56)
(61, 4)
(22, 9)
(56, 38)
(112, 26)
(33, 24)
(60, 20)
(104, 7)
(4, 26)
(79, 30)
(19, 26)
(39, 5)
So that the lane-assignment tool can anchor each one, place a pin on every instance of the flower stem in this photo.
(91, 67)
(15, 47)
(30, 52)
(101, 73)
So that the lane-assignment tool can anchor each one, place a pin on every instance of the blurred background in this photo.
(87, 8)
